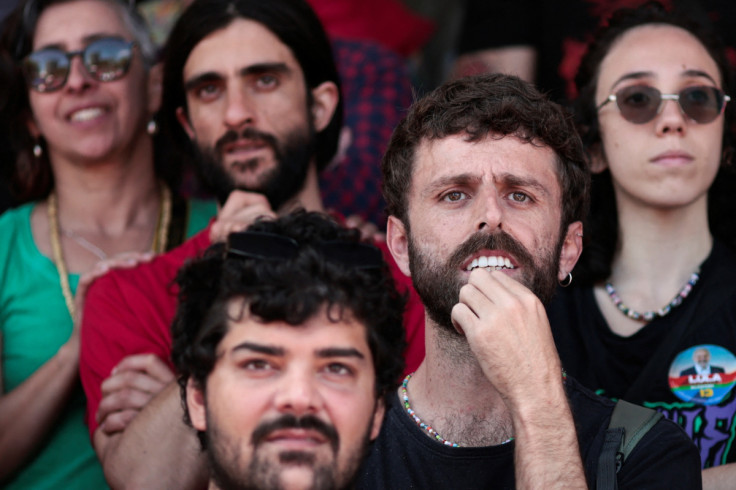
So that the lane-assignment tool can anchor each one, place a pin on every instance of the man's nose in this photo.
(298, 393)
(490, 211)
(239, 111)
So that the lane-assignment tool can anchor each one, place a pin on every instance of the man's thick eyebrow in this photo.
(260, 348)
(258, 68)
(449, 181)
(340, 352)
(255, 69)
(511, 180)
(209, 76)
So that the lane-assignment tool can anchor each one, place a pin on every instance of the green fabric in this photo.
(34, 323)
(201, 211)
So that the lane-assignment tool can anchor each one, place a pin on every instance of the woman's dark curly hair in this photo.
(292, 291)
(602, 227)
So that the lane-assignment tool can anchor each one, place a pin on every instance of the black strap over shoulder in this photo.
(629, 423)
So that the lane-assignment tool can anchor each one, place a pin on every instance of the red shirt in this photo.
(129, 311)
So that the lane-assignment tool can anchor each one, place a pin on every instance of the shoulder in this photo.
(664, 456)
(151, 279)
(15, 219)
(16, 239)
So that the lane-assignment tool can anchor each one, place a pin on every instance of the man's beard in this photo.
(438, 285)
(279, 184)
(261, 473)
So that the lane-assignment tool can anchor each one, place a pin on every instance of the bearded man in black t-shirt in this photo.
(487, 187)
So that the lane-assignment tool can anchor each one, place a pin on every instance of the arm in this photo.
(507, 330)
(719, 477)
(143, 441)
(155, 439)
(28, 413)
(122, 319)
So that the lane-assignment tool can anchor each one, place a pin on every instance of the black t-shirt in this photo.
(403, 456)
(651, 366)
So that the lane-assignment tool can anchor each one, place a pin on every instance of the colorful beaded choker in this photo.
(648, 316)
(422, 425)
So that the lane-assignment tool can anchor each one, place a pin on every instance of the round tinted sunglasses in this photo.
(105, 59)
(640, 104)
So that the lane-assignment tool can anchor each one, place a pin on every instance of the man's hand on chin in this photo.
(241, 210)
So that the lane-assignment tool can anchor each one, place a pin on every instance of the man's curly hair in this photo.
(481, 106)
(291, 290)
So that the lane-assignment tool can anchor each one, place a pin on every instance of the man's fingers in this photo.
(473, 298)
(238, 200)
(117, 421)
(462, 316)
(148, 363)
(240, 210)
(131, 379)
(126, 399)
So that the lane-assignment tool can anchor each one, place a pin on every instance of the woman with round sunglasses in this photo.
(82, 92)
(655, 284)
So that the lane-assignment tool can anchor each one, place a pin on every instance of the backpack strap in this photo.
(629, 423)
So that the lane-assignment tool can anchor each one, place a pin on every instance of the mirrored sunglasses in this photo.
(639, 104)
(269, 246)
(106, 59)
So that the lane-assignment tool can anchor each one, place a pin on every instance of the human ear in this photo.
(155, 88)
(572, 247)
(597, 159)
(378, 414)
(196, 406)
(324, 102)
(181, 116)
(398, 243)
(32, 126)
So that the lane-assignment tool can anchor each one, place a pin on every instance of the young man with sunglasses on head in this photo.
(252, 89)
(487, 186)
(286, 341)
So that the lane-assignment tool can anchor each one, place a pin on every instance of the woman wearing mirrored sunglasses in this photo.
(657, 278)
(80, 90)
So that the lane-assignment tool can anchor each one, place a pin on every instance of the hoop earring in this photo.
(152, 127)
(566, 281)
(37, 150)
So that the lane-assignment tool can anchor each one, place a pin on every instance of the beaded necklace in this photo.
(158, 245)
(422, 425)
(648, 316)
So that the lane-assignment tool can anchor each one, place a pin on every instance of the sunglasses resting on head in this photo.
(105, 59)
(269, 246)
(639, 104)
